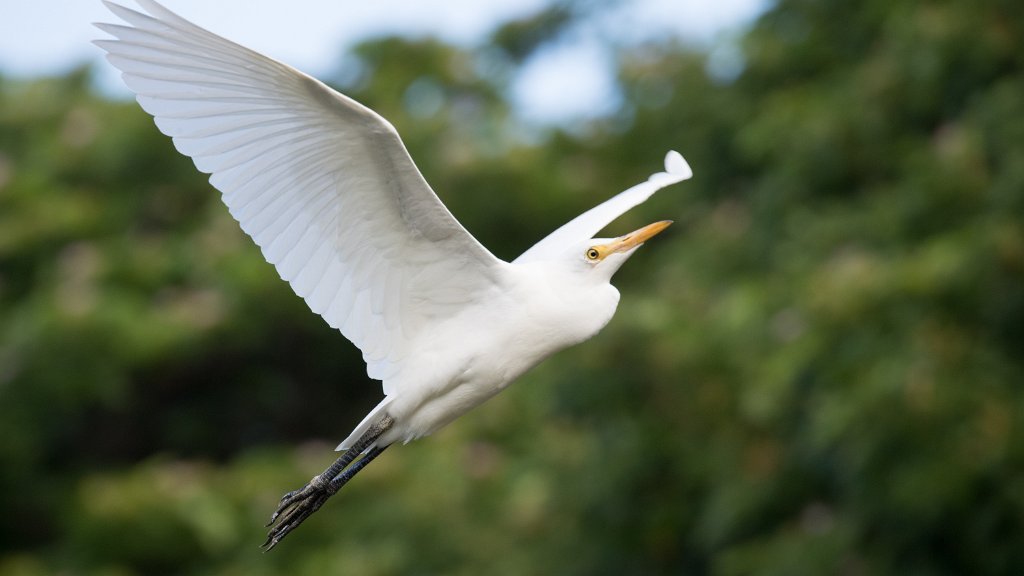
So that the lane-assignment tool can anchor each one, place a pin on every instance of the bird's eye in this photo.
(593, 254)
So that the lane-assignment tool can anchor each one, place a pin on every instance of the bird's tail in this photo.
(360, 430)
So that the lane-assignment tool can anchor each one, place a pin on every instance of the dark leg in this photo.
(300, 504)
(343, 479)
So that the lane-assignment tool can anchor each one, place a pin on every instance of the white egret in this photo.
(328, 191)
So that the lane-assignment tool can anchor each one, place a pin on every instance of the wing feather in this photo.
(591, 222)
(321, 183)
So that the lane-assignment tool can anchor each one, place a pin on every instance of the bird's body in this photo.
(538, 312)
(328, 191)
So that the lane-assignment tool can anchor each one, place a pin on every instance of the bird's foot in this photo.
(300, 504)
(295, 507)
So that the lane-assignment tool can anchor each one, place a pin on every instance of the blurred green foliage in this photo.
(820, 370)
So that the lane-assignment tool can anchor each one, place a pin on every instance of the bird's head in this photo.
(605, 255)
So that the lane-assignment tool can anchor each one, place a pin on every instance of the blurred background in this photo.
(818, 370)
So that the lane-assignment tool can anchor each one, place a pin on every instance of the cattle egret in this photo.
(328, 191)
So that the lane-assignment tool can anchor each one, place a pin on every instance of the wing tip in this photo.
(677, 169)
(113, 7)
(677, 166)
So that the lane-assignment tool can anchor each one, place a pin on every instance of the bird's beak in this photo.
(637, 237)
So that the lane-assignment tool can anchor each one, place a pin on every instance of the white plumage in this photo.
(328, 191)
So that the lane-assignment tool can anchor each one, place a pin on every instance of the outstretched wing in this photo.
(321, 183)
(591, 222)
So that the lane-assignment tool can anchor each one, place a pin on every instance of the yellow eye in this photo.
(593, 254)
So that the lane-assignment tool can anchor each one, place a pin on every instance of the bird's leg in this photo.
(298, 505)
(343, 479)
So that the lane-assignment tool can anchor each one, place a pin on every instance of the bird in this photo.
(327, 190)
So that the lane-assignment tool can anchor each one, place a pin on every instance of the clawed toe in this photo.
(289, 500)
(288, 495)
(294, 509)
